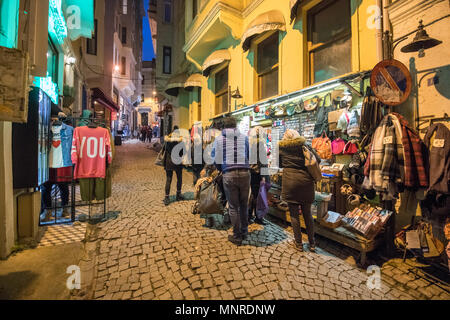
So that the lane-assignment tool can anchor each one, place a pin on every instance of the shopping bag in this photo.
(312, 165)
(160, 158)
(262, 203)
(210, 198)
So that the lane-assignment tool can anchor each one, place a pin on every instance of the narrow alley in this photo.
(155, 252)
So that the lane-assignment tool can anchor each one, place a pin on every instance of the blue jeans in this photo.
(237, 186)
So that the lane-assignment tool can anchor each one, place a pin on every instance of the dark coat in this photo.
(169, 143)
(297, 185)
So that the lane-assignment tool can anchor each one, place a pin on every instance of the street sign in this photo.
(391, 82)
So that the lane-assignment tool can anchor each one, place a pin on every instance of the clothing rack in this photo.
(73, 203)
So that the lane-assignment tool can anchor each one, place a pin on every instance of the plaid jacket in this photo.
(386, 159)
(416, 175)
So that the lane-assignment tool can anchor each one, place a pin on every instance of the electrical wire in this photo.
(107, 76)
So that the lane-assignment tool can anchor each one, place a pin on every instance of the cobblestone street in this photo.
(155, 252)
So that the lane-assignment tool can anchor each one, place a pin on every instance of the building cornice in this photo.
(402, 10)
(251, 7)
(212, 15)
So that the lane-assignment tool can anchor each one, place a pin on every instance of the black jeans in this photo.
(295, 221)
(46, 190)
(237, 186)
(169, 175)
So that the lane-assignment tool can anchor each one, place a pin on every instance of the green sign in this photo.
(56, 24)
(9, 23)
(80, 18)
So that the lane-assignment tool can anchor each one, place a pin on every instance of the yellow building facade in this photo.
(219, 31)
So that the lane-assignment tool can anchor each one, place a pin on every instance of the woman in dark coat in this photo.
(297, 186)
(170, 142)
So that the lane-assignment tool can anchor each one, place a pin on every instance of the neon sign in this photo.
(48, 86)
(56, 23)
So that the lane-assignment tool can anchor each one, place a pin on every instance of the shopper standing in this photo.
(170, 142)
(231, 155)
(297, 186)
(257, 142)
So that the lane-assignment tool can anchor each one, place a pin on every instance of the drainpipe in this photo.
(379, 33)
(387, 26)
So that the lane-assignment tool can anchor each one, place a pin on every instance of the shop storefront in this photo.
(104, 107)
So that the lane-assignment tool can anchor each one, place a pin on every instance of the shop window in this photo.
(267, 67)
(124, 35)
(52, 61)
(91, 44)
(194, 8)
(125, 6)
(124, 66)
(168, 11)
(221, 91)
(199, 107)
(329, 40)
(167, 60)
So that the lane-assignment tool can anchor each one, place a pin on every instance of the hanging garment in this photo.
(96, 188)
(61, 137)
(439, 158)
(371, 113)
(415, 153)
(56, 154)
(90, 147)
(386, 158)
(349, 123)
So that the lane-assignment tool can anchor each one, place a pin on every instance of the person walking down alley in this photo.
(143, 133)
(231, 155)
(170, 167)
(197, 160)
(297, 186)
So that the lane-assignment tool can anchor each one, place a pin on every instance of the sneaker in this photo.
(48, 216)
(166, 201)
(234, 240)
(251, 220)
(261, 221)
(180, 197)
(312, 247)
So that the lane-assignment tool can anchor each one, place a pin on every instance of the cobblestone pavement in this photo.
(155, 252)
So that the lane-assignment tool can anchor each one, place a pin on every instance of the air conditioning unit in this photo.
(14, 85)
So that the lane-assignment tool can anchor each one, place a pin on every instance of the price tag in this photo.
(438, 143)
(388, 140)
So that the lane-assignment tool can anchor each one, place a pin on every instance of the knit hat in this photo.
(291, 134)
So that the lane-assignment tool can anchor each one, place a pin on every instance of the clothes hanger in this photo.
(92, 125)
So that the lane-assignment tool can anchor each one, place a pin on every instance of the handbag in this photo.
(312, 165)
(210, 198)
(333, 118)
(262, 203)
(350, 148)
(160, 158)
(323, 146)
(337, 146)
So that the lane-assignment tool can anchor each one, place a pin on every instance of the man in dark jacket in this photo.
(231, 156)
(170, 142)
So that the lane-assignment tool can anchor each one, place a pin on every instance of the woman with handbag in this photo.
(297, 185)
(256, 142)
(170, 142)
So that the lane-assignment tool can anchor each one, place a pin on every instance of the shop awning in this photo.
(216, 58)
(194, 80)
(268, 21)
(175, 83)
(80, 14)
(294, 7)
(99, 96)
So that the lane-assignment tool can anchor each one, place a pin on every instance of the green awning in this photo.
(79, 15)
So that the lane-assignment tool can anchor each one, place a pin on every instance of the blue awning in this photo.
(79, 15)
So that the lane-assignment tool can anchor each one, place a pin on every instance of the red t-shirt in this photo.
(89, 149)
